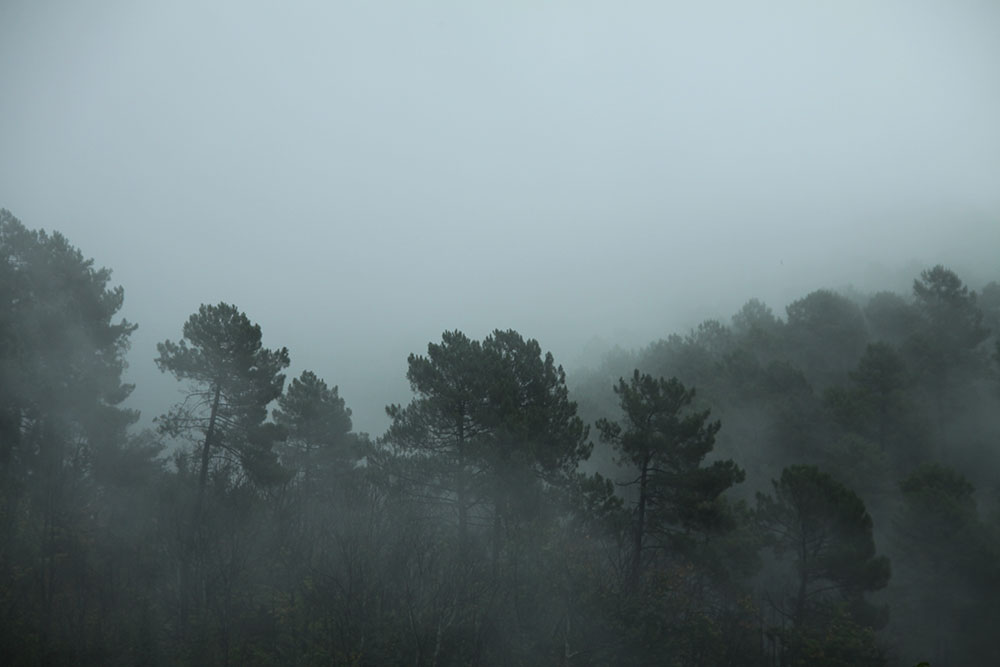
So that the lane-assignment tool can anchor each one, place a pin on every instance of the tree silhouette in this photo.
(233, 379)
(828, 532)
(665, 443)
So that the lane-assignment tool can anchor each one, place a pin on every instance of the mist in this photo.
(790, 208)
(361, 177)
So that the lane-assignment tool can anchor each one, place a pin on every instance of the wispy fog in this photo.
(360, 176)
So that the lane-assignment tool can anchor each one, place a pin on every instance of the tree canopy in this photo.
(665, 442)
(234, 378)
(255, 527)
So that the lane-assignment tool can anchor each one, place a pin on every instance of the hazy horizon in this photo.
(359, 178)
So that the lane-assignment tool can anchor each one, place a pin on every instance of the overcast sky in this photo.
(359, 176)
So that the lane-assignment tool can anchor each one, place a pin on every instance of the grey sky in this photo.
(359, 176)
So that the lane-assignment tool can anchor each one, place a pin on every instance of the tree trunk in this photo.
(800, 599)
(205, 450)
(640, 525)
(497, 535)
(463, 509)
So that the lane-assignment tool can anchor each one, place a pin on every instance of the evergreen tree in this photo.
(439, 430)
(890, 318)
(62, 356)
(534, 441)
(948, 563)
(233, 379)
(989, 303)
(875, 403)
(532, 418)
(951, 327)
(826, 335)
(488, 416)
(826, 529)
(317, 424)
(665, 443)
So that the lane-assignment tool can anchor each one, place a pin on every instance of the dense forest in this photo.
(813, 489)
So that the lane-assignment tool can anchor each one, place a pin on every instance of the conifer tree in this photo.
(665, 443)
(826, 529)
(317, 423)
(233, 379)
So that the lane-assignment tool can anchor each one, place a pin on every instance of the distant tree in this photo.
(443, 423)
(939, 511)
(757, 330)
(873, 403)
(61, 353)
(996, 352)
(989, 304)
(948, 355)
(714, 337)
(826, 335)
(828, 532)
(62, 356)
(880, 374)
(530, 412)
(755, 315)
(951, 328)
(492, 435)
(891, 318)
(694, 358)
(488, 415)
(781, 414)
(233, 379)
(665, 443)
(317, 423)
(947, 559)
(949, 307)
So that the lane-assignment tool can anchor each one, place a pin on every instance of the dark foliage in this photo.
(255, 527)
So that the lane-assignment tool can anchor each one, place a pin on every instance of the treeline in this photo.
(813, 490)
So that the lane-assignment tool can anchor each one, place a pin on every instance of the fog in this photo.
(359, 177)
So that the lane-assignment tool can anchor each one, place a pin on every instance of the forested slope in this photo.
(817, 488)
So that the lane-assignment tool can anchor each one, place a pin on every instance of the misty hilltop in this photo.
(362, 178)
(515, 333)
(760, 490)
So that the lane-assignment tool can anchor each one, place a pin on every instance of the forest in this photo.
(818, 487)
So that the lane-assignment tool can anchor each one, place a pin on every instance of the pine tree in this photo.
(233, 379)
(665, 443)
(828, 532)
(318, 425)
